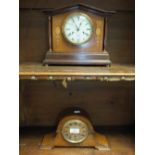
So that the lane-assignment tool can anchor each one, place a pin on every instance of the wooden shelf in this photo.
(120, 143)
(114, 73)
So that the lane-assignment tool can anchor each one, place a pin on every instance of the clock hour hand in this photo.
(80, 23)
(85, 33)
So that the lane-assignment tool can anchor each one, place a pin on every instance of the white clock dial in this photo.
(78, 28)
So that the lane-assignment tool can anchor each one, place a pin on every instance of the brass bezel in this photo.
(73, 121)
(74, 14)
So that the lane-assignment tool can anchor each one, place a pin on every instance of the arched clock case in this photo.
(75, 130)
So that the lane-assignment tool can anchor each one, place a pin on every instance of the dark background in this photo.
(108, 103)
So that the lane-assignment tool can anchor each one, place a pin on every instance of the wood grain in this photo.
(106, 4)
(27, 70)
(108, 103)
(121, 144)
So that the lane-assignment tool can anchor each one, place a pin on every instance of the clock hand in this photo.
(75, 25)
(85, 33)
(80, 23)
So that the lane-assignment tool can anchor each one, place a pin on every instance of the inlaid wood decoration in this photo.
(77, 36)
(75, 130)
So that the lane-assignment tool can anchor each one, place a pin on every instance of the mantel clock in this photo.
(75, 129)
(77, 36)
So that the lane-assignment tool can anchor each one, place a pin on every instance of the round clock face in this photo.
(78, 28)
(75, 131)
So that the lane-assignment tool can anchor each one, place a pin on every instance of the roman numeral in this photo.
(85, 33)
(69, 34)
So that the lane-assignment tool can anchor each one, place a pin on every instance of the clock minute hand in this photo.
(75, 24)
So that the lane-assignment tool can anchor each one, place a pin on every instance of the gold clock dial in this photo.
(78, 28)
(75, 131)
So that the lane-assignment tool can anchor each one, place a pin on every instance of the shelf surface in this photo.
(121, 143)
(114, 73)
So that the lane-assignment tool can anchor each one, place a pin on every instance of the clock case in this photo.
(77, 57)
(93, 140)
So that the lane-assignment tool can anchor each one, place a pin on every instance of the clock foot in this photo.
(46, 147)
(102, 148)
(47, 142)
(102, 142)
(46, 65)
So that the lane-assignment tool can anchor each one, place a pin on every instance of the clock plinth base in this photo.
(96, 141)
(55, 58)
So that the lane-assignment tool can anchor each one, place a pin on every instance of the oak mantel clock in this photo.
(75, 130)
(77, 36)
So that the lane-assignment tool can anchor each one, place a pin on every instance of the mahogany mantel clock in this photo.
(75, 130)
(77, 36)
